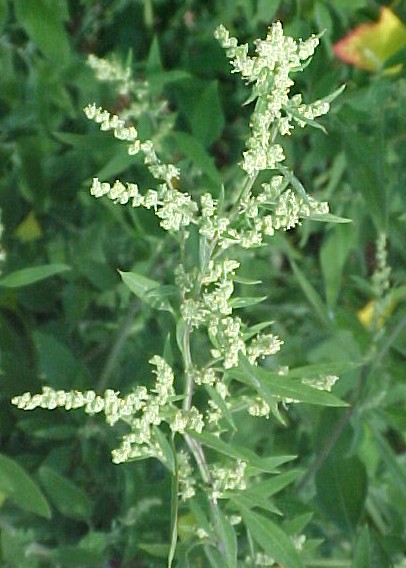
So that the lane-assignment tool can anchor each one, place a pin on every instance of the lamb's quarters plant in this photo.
(224, 369)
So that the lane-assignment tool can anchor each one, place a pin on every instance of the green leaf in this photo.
(246, 281)
(317, 369)
(270, 385)
(341, 485)
(266, 10)
(269, 487)
(220, 402)
(69, 499)
(269, 465)
(366, 173)
(298, 524)
(3, 15)
(181, 336)
(75, 557)
(208, 118)
(194, 151)
(148, 290)
(333, 255)
(328, 218)
(330, 98)
(20, 488)
(43, 23)
(57, 364)
(272, 539)
(46, 429)
(167, 451)
(27, 276)
(200, 517)
(290, 110)
(119, 162)
(228, 539)
(254, 329)
(362, 550)
(311, 294)
(174, 507)
(241, 500)
(245, 302)
(389, 457)
(157, 550)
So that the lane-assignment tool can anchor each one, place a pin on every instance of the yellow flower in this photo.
(366, 314)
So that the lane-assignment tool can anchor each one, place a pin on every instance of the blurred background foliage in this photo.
(62, 501)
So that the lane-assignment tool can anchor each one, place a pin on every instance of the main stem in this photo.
(194, 446)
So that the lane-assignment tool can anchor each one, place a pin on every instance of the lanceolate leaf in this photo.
(68, 498)
(272, 539)
(241, 499)
(245, 302)
(27, 276)
(229, 540)
(362, 551)
(225, 411)
(269, 465)
(341, 491)
(274, 485)
(311, 371)
(311, 294)
(20, 488)
(148, 290)
(270, 385)
(51, 38)
(174, 509)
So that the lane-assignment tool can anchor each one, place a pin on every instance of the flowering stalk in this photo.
(206, 303)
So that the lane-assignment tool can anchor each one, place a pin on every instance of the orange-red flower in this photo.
(368, 46)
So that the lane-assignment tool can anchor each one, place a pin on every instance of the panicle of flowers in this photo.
(136, 95)
(187, 482)
(276, 58)
(258, 407)
(380, 277)
(228, 478)
(112, 71)
(214, 310)
(141, 410)
(324, 382)
(383, 303)
(263, 345)
(2, 250)
(176, 209)
(113, 122)
(211, 224)
(107, 121)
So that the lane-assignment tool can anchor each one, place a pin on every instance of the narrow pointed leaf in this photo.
(68, 498)
(272, 539)
(270, 385)
(17, 485)
(228, 539)
(245, 302)
(148, 290)
(341, 491)
(225, 411)
(249, 502)
(269, 465)
(311, 294)
(27, 276)
(174, 510)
